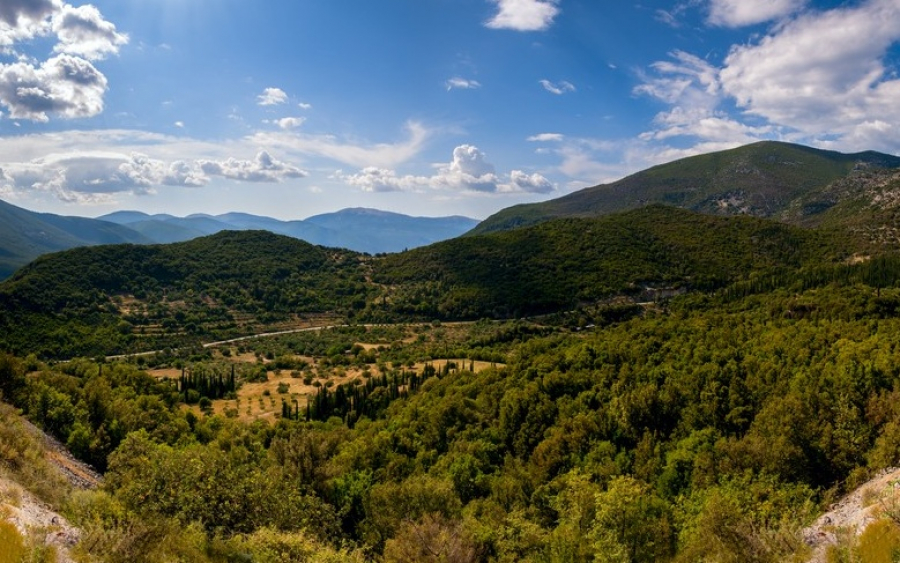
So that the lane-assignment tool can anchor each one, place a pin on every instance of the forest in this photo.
(711, 427)
(652, 386)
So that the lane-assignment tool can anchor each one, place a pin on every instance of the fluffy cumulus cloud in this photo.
(93, 176)
(82, 31)
(66, 84)
(533, 183)
(272, 97)
(468, 171)
(24, 19)
(524, 15)
(816, 75)
(374, 179)
(737, 13)
(84, 176)
(264, 168)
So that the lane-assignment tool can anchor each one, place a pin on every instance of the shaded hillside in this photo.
(562, 263)
(25, 235)
(764, 179)
(864, 205)
(112, 299)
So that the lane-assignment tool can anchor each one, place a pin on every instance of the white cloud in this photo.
(303, 105)
(21, 20)
(264, 168)
(692, 87)
(290, 122)
(558, 89)
(685, 76)
(383, 155)
(738, 13)
(524, 15)
(84, 176)
(532, 183)
(272, 97)
(462, 84)
(124, 162)
(82, 31)
(704, 124)
(468, 171)
(545, 138)
(374, 179)
(68, 86)
(822, 72)
(816, 77)
(181, 173)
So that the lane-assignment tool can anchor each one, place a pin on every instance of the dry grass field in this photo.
(262, 400)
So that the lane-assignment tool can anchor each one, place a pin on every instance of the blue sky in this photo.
(425, 107)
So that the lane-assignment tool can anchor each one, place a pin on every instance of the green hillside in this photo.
(684, 387)
(709, 431)
(25, 235)
(118, 298)
(765, 179)
(114, 299)
(563, 263)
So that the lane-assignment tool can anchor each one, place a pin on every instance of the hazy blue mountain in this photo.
(362, 230)
(165, 232)
(370, 230)
(25, 235)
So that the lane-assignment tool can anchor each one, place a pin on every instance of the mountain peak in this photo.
(763, 179)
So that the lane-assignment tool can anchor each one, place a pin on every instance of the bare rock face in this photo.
(853, 513)
(36, 521)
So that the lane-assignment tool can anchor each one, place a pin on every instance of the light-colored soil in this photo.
(79, 474)
(853, 513)
(36, 521)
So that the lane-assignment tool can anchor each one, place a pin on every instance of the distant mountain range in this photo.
(858, 194)
(791, 183)
(25, 235)
(359, 229)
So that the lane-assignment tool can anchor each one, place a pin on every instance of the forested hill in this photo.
(793, 183)
(115, 299)
(566, 262)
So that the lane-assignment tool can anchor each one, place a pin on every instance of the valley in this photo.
(659, 383)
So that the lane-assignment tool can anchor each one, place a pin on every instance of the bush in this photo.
(13, 545)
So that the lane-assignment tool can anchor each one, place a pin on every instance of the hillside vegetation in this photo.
(712, 430)
(117, 299)
(652, 385)
(26, 235)
(766, 179)
(565, 263)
